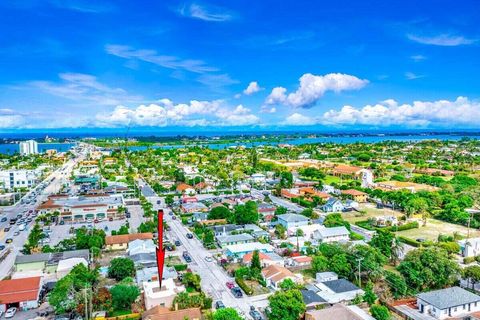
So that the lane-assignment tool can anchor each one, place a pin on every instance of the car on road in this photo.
(4, 219)
(219, 305)
(255, 314)
(110, 219)
(186, 256)
(189, 236)
(1, 248)
(237, 292)
(9, 240)
(208, 259)
(174, 217)
(230, 285)
(10, 312)
(22, 227)
(6, 229)
(16, 233)
(178, 243)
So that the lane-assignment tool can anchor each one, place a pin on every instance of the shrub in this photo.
(180, 267)
(468, 260)
(241, 283)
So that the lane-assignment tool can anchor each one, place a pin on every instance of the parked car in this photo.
(255, 314)
(237, 292)
(10, 312)
(1, 248)
(62, 222)
(208, 259)
(219, 305)
(16, 233)
(189, 236)
(187, 257)
(6, 229)
(178, 243)
(230, 285)
(9, 240)
(4, 219)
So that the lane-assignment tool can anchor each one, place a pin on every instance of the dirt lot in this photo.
(430, 232)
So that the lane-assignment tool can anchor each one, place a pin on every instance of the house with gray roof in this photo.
(292, 220)
(334, 234)
(339, 290)
(228, 240)
(447, 303)
(151, 274)
(47, 262)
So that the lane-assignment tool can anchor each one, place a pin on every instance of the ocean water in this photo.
(326, 139)
(11, 148)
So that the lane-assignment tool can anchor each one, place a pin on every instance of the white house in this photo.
(333, 205)
(257, 178)
(470, 247)
(292, 220)
(11, 179)
(65, 266)
(237, 251)
(155, 296)
(338, 290)
(326, 276)
(447, 303)
(141, 246)
(334, 234)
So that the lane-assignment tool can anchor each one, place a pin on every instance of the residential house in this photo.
(404, 185)
(120, 242)
(47, 263)
(448, 303)
(470, 247)
(141, 246)
(299, 262)
(162, 313)
(65, 266)
(156, 296)
(356, 195)
(257, 178)
(184, 188)
(237, 251)
(333, 205)
(144, 260)
(274, 275)
(191, 207)
(228, 240)
(338, 312)
(266, 259)
(334, 234)
(326, 276)
(22, 293)
(292, 220)
(339, 290)
(151, 274)
(311, 299)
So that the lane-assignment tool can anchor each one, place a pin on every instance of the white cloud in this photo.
(418, 57)
(205, 13)
(298, 119)
(216, 80)
(313, 87)
(163, 113)
(440, 113)
(252, 88)
(267, 109)
(413, 76)
(84, 87)
(240, 116)
(445, 39)
(10, 119)
(151, 56)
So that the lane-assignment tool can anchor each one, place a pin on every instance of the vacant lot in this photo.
(371, 211)
(437, 227)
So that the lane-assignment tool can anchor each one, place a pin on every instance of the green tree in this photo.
(219, 212)
(192, 280)
(396, 283)
(169, 200)
(380, 312)
(280, 210)
(428, 268)
(369, 296)
(287, 284)
(286, 305)
(226, 314)
(256, 266)
(319, 263)
(472, 273)
(120, 268)
(382, 240)
(123, 295)
(335, 220)
(208, 237)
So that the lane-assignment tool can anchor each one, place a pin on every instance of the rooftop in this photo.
(449, 297)
(17, 290)
(292, 217)
(340, 285)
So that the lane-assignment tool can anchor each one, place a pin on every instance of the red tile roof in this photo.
(19, 290)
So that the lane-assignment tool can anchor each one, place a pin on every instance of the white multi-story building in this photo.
(28, 147)
(11, 179)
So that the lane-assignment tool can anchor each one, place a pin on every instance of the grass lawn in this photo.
(117, 313)
(172, 260)
(257, 288)
(436, 227)
(331, 179)
(371, 211)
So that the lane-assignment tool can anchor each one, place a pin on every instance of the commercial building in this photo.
(12, 179)
(83, 208)
(28, 147)
(23, 294)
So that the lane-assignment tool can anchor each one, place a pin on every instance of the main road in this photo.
(53, 184)
(213, 277)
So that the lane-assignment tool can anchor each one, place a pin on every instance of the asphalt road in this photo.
(60, 176)
(214, 278)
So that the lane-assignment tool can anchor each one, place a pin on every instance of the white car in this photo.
(10, 312)
(208, 259)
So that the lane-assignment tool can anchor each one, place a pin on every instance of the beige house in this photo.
(274, 275)
(120, 242)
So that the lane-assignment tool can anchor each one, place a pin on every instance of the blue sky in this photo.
(219, 64)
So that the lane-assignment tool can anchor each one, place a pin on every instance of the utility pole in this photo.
(359, 259)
